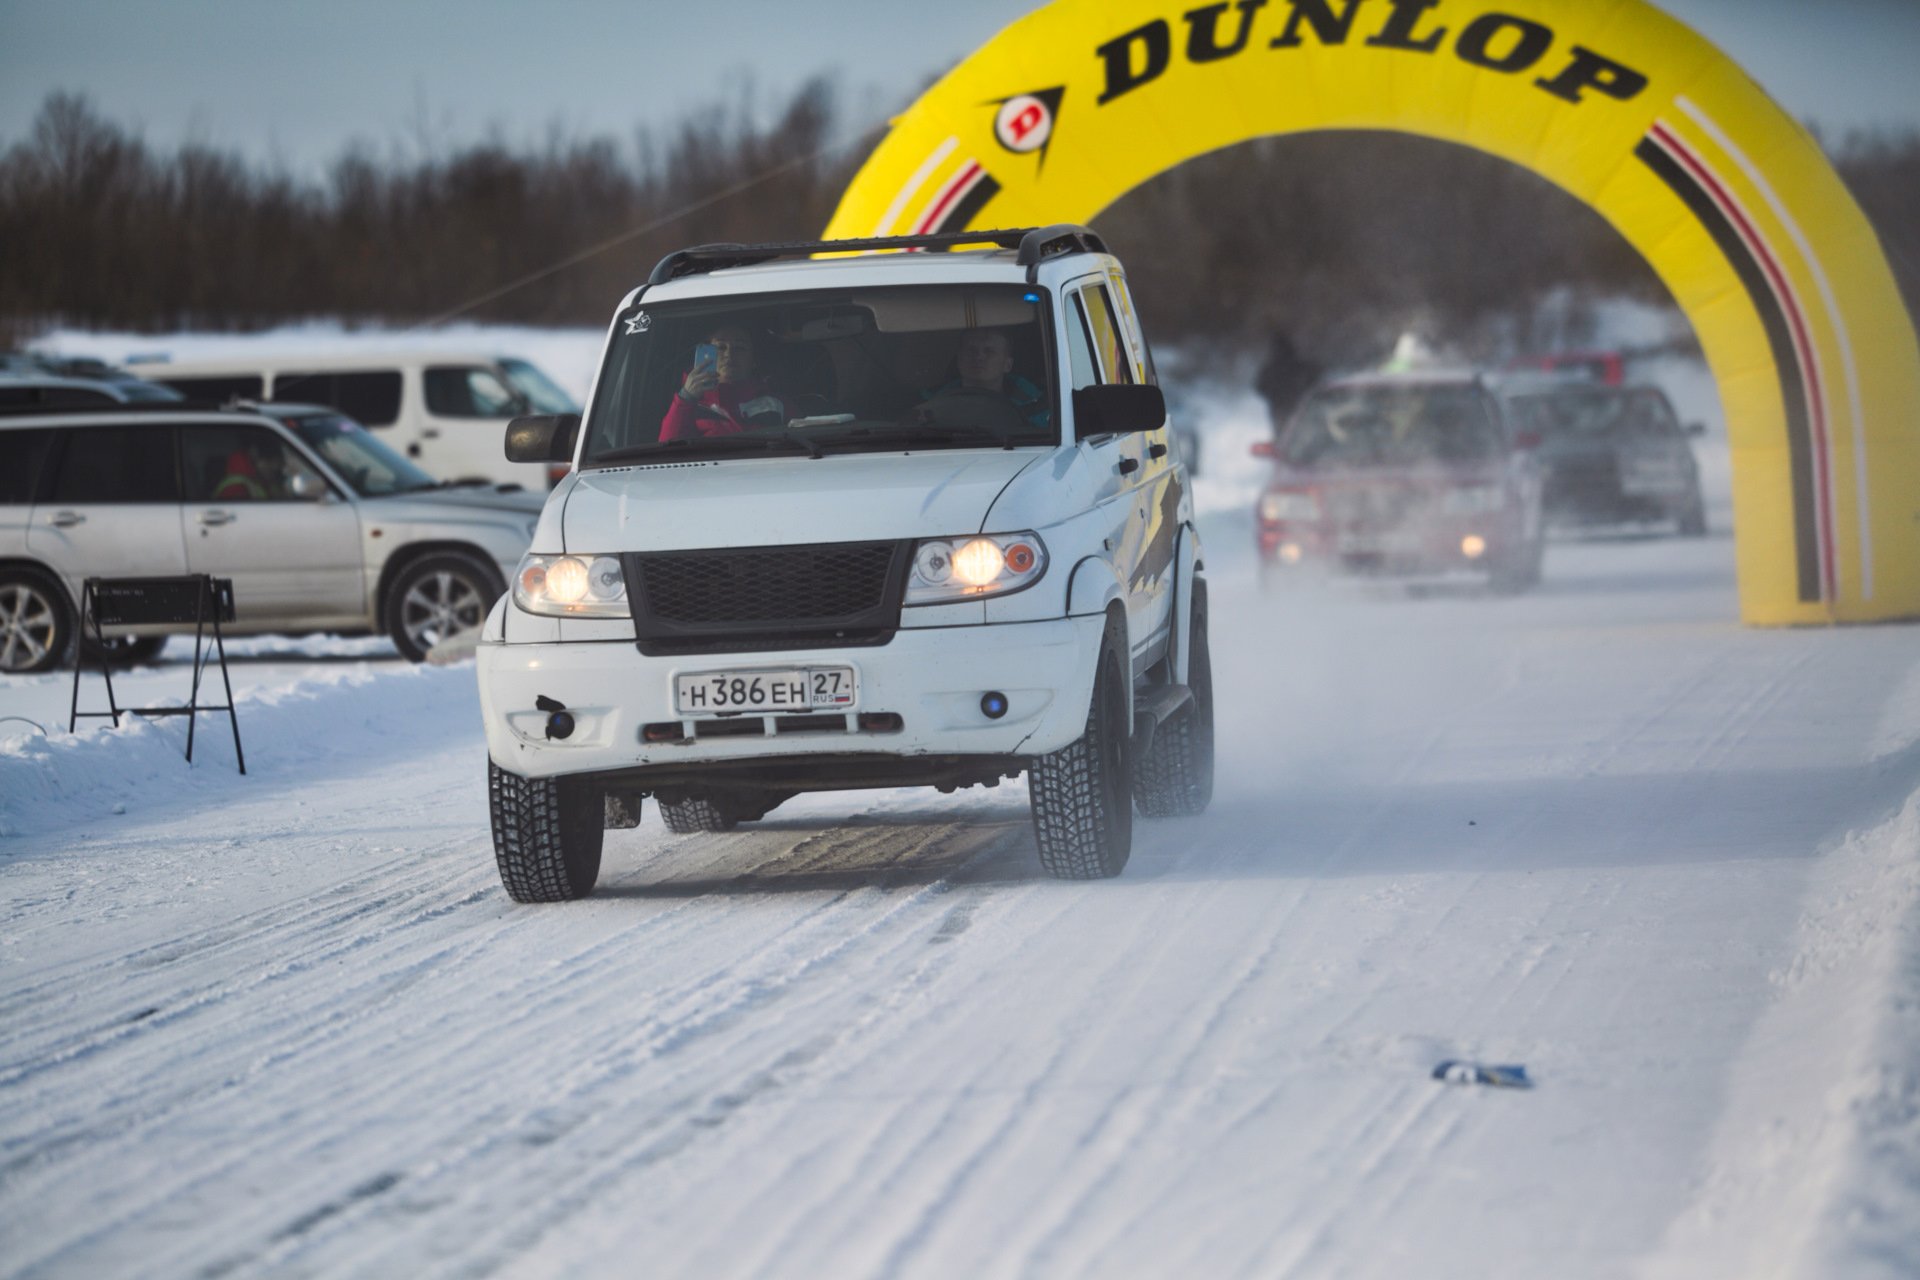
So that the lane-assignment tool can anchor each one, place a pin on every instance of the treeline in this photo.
(1342, 241)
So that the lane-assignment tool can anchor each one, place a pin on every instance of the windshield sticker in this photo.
(638, 322)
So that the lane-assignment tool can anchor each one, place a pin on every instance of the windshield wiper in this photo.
(904, 433)
(718, 445)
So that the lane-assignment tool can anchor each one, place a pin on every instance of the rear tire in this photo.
(689, 815)
(36, 626)
(1082, 794)
(547, 834)
(1174, 779)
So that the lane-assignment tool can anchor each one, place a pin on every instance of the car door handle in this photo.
(216, 517)
(66, 519)
(429, 433)
(1129, 465)
(1156, 451)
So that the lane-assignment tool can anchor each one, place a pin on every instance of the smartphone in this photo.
(706, 356)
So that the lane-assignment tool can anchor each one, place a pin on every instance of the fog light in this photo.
(993, 705)
(1290, 552)
(560, 725)
(1473, 546)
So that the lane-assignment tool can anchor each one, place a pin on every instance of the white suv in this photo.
(880, 519)
(320, 526)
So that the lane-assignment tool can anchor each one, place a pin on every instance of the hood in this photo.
(474, 500)
(756, 502)
(1420, 477)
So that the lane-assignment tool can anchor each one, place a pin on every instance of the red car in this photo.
(1403, 474)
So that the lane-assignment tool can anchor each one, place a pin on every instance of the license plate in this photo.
(710, 693)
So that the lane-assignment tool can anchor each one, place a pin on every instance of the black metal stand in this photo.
(197, 598)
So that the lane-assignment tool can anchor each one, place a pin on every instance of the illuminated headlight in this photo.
(571, 586)
(1476, 501)
(1289, 505)
(948, 569)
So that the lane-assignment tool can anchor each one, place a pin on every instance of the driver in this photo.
(725, 399)
(985, 361)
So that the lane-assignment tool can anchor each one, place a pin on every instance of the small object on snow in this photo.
(1455, 1071)
(119, 808)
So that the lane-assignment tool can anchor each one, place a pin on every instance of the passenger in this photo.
(244, 480)
(985, 361)
(725, 399)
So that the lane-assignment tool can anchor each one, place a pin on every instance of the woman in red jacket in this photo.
(724, 398)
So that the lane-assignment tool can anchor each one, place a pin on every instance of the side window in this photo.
(468, 391)
(117, 464)
(238, 464)
(218, 390)
(1115, 363)
(21, 453)
(370, 396)
(1079, 347)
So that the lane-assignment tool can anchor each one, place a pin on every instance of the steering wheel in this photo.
(971, 407)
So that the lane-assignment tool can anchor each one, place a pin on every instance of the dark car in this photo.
(1406, 474)
(1612, 455)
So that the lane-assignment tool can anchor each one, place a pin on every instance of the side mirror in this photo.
(542, 437)
(1264, 449)
(306, 486)
(1117, 410)
(1696, 428)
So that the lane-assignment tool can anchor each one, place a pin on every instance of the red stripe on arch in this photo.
(1803, 344)
(969, 175)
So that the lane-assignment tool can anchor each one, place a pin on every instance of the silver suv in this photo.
(319, 524)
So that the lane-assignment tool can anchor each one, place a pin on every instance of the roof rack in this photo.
(1034, 245)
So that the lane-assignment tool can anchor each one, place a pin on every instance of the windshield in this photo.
(1589, 414)
(147, 392)
(373, 469)
(542, 394)
(1392, 426)
(868, 370)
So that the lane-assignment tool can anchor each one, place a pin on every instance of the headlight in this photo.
(571, 586)
(1289, 505)
(1476, 501)
(964, 568)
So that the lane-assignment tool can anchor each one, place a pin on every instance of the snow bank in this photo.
(1815, 1170)
(329, 721)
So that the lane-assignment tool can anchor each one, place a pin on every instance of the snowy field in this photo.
(289, 1024)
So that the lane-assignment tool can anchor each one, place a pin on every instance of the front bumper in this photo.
(931, 678)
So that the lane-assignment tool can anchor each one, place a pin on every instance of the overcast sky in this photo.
(298, 82)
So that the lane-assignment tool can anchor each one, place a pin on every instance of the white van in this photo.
(881, 519)
(444, 410)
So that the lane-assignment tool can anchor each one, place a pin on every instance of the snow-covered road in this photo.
(290, 1024)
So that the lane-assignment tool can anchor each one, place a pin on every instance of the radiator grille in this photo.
(845, 592)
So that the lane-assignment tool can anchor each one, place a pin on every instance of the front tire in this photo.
(436, 597)
(36, 626)
(1693, 517)
(1174, 779)
(1082, 794)
(547, 834)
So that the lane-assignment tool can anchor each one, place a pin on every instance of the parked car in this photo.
(444, 410)
(318, 523)
(933, 535)
(1613, 454)
(25, 390)
(1402, 474)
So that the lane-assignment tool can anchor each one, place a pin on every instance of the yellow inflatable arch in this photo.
(1729, 200)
